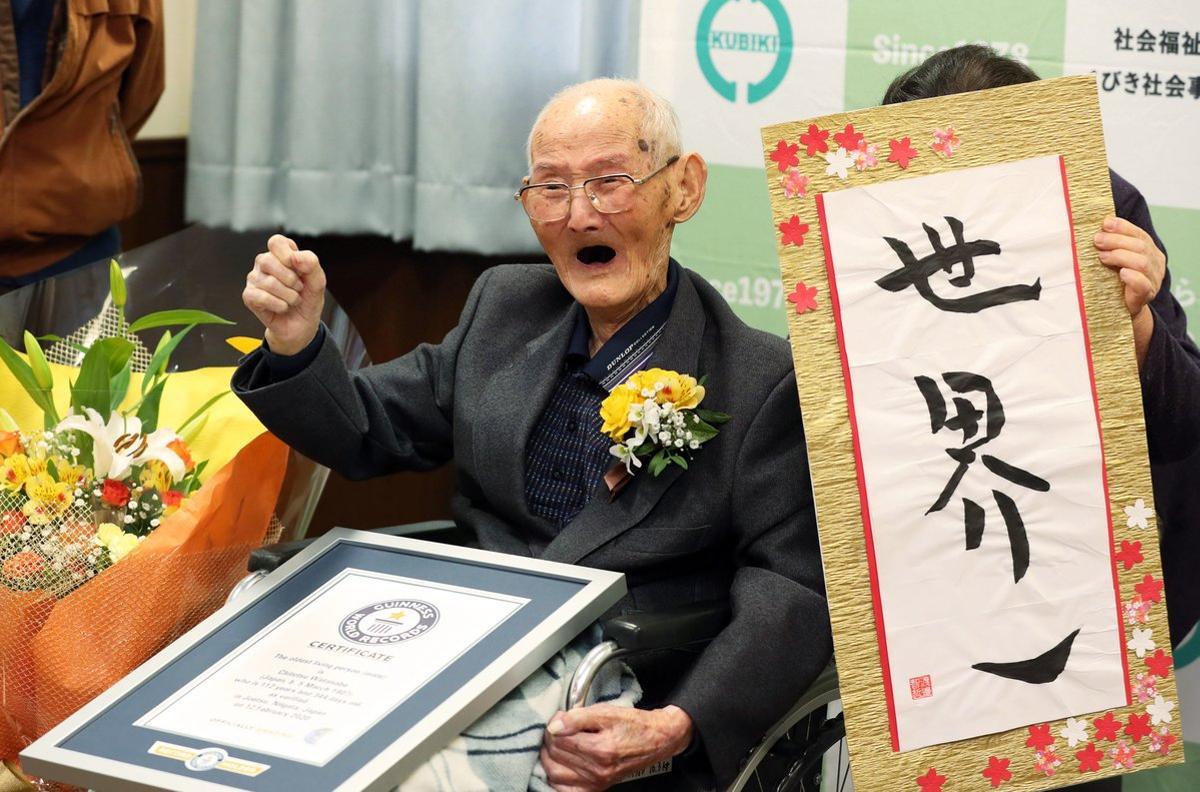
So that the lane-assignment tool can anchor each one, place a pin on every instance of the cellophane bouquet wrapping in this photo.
(114, 538)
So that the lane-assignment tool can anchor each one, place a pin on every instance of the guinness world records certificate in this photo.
(356, 660)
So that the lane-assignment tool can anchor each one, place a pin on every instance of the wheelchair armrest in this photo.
(270, 557)
(668, 629)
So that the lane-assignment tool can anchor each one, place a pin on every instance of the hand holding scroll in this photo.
(1140, 265)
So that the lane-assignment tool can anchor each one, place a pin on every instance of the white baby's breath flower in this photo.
(693, 445)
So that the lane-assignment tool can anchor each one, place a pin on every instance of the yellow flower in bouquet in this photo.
(614, 411)
(14, 471)
(670, 387)
(72, 475)
(48, 499)
(117, 542)
(156, 476)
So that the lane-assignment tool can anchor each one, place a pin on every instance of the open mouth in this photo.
(595, 254)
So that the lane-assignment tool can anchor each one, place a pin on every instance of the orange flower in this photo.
(10, 443)
(23, 565)
(180, 448)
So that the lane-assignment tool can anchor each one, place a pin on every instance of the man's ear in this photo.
(693, 179)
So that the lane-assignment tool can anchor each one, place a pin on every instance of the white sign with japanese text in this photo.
(977, 436)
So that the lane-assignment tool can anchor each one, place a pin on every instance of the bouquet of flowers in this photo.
(78, 495)
(114, 540)
(662, 409)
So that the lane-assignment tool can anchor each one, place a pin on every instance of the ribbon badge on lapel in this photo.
(655, 415)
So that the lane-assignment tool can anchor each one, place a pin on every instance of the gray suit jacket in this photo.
(738, 524)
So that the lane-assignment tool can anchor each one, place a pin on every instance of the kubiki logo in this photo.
(389, 622)
(768, 44)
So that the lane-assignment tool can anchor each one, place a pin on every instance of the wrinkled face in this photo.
(610, 263)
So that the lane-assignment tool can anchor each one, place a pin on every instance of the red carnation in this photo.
(115, 493)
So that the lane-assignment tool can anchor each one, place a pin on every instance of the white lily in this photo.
(120, 444)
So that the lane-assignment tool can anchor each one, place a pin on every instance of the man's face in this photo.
(609, 263)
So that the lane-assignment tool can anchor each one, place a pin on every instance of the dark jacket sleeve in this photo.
(388, 417)
(779, 638)
(1170, 373)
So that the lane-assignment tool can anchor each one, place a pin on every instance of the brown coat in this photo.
(67, 171)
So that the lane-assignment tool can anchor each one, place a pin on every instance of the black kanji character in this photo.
(967, 420)
(1150, 84)
(1175, 86)
(917, 272)
(1122, 38)
(1146, 41)
(1191, 43)
(1168, 42)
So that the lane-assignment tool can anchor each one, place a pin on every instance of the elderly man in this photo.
(513, 396)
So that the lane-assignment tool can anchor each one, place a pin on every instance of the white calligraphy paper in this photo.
(976, 427)
(319, 676)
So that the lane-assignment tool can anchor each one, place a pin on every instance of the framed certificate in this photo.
(343, 670)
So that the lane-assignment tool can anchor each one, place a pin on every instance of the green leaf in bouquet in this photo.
(203, 409)
(702, 431)
(678, 460)
(180, 316)
(100, 365)
(147, 408)
(162, 355)
(712, 416)
(118, 386)
(659, 462)
(24, 375)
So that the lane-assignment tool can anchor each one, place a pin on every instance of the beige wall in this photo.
(172, 116)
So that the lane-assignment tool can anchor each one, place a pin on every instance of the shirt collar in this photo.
(630, 347)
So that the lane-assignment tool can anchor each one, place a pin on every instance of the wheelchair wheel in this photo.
(806, 749)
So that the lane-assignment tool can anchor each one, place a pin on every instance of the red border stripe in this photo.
(862, 486)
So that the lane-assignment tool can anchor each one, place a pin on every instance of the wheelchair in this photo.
(805, 751)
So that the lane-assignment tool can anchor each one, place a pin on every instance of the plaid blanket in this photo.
(499, 752)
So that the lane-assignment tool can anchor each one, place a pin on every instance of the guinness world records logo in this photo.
(389, 622)
(779, 42)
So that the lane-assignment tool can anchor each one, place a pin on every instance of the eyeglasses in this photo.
(548, 202)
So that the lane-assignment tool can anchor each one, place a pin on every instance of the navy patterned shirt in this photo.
(567, 456)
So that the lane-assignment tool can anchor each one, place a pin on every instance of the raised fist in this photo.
(286, 292)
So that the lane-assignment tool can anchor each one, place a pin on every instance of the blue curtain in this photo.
(405, 118)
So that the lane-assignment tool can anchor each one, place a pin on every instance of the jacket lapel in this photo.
(513, 400)
(602, 520)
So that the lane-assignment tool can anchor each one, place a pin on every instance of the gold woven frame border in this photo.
(1051, 117)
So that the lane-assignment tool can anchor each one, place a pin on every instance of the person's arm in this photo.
(741, 684)
(143, 81)
(388, 417)
(1168, 359)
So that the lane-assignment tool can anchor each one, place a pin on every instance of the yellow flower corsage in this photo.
(661, 408)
